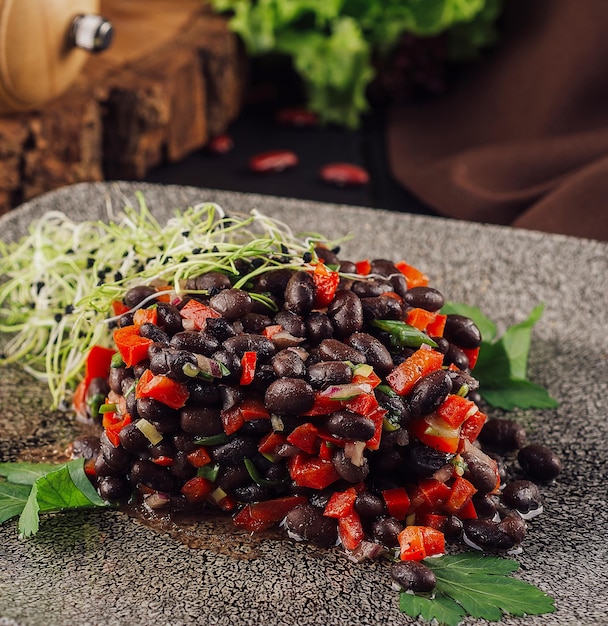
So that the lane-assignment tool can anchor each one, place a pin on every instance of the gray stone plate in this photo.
(104, 567)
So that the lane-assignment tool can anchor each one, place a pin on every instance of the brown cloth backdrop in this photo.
(522, 139)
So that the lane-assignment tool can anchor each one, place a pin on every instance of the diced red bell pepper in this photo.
(163, 461)
(232, 419)
(413, 276)
(270, 331)
(261, 515)
(227, 503)
(435, 433)
(418, 542)
(79, 400)
(350, 530)
(363, 267)
(437, 326)
(197, 313)
(119, 307)
(163, 389)
(419, 318)
(248, 363)
(461, 492)
(326, 282)
(472, 426)
(424, 361)
(429, 494)
(269, 445)
(372, 379)
(306, 437)
(363, 404)
(113, 424)
(314, 472)
(467, 511)
(472, 355)
(145, 316)
(253, 409)
(397, 502)
(433, 520)
(323, 405)
(456, 409)
(132, 347)
(197, 489)
(98, 363)
(199, 457)
(341, 503)
(377, 416)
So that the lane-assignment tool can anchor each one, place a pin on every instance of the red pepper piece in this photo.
(362, 404)
(232, 419)
(350, 530)
(197, 489)
(326, 283)
(418, 542)
(199, 457)
(306, 437)
(461, 492)
(163, 389)
(413, 276)
(270, 443)
(113, 424)
(145, 316)
(341, 503)
(261, 515)
(270, 331)
(314, 472)
(132, 347)
(248, 363)
(433, 520)
(437, 326)
(397, 502)
(363, 267)
(253, 409)
(419, 318)
(467, 511)
(163, 461)
(433, 539)
(472, 426)
(435, 433)
(197, 313)
(298, 117)
(377, 416)
(273, 161)
(98, 363)
(323, 405)
(424, 361)
(119, 307)
(456, 409)
(344, 175)
(472, 355)
(220, 144)
(428, 494)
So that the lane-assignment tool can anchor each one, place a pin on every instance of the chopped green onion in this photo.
(255, 475)
(209, 471)
(212, 440)
(403, 335)
(107, 408)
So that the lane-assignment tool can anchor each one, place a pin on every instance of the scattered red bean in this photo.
(273, 161)
(220, 144)
(344, 174)
(296, 116)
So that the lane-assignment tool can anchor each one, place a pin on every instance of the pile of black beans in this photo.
(316, 348)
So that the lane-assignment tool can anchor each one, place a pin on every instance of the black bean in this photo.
(231, 361)
(231, 303)
(195, 341)
(155, 411)
(336, 350)
(389, 463)
(256, 427)
(371, 288)
(203, 392)
(220, 328)
(273, 281)
(289, 396)
(462, 331)
(381, 307)
(413, 576)
(153, 476)
(481, 471)
(348, 267)
(200, 420)
(288, 363)
(456, 356)
(168, 318)
(308, 522)
(385, 531)
(375, 352)
(235, 450)
(116, 377)
(152, 331)
(485, 505)
(347, 470)
(539, 462)
(346, 313)
(86, 447)
(181, 467)
(383, 267)
(184, 442)
(425, 298)
(163, 448)
(460, 379)
(487, 535)
(171, 362)
(232, 476)
(348, 425)
(453, 527)
(325, 373)
(424, 461)
(255, 322)
(249, 342)
(318, 327)
(264, 375)
(300, 293)
(132, 439)
(115, 456)
(98, 387)
(126, 319)
(327, 255)
(502, 434)
(515, 527)
(114, 489)
(231, 395)
(443, 345)
(397, 411)
(137, 294)
(209, 280)
(103, 469)
(429, 393)
(522, 495)
(369, 505)
(252, 493)
(293, 323)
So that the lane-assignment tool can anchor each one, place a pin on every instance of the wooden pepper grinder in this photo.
(43, 47)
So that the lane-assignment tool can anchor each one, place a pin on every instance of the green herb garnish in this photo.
(476, 585)
(34, 488)
(502, 364)
(403, 335)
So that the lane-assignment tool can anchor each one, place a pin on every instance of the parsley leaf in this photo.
(502, 364)
(476, 585)
(34, 488)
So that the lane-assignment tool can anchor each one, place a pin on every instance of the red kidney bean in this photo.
(539, 462)
(220, 144)
(344, 175)
(413, 576)
(298, 117)
(273, 161)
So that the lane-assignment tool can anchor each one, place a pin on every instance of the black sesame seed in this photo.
(69, 309)
(336, 250)
(197, 250)
(70, 251)
(284, 249)
(58, 317)
(215, 249)
(90, 262)
(39, 286)
(307, 257)
(117, 276)
(185, 233)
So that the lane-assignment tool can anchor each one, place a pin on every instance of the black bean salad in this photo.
(330, 397)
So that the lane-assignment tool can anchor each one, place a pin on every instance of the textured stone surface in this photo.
(103, 567)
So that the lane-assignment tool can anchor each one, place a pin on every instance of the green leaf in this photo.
(25, 473)
(519, 394)
(12, 500)
(516, 342)
(479, 586)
